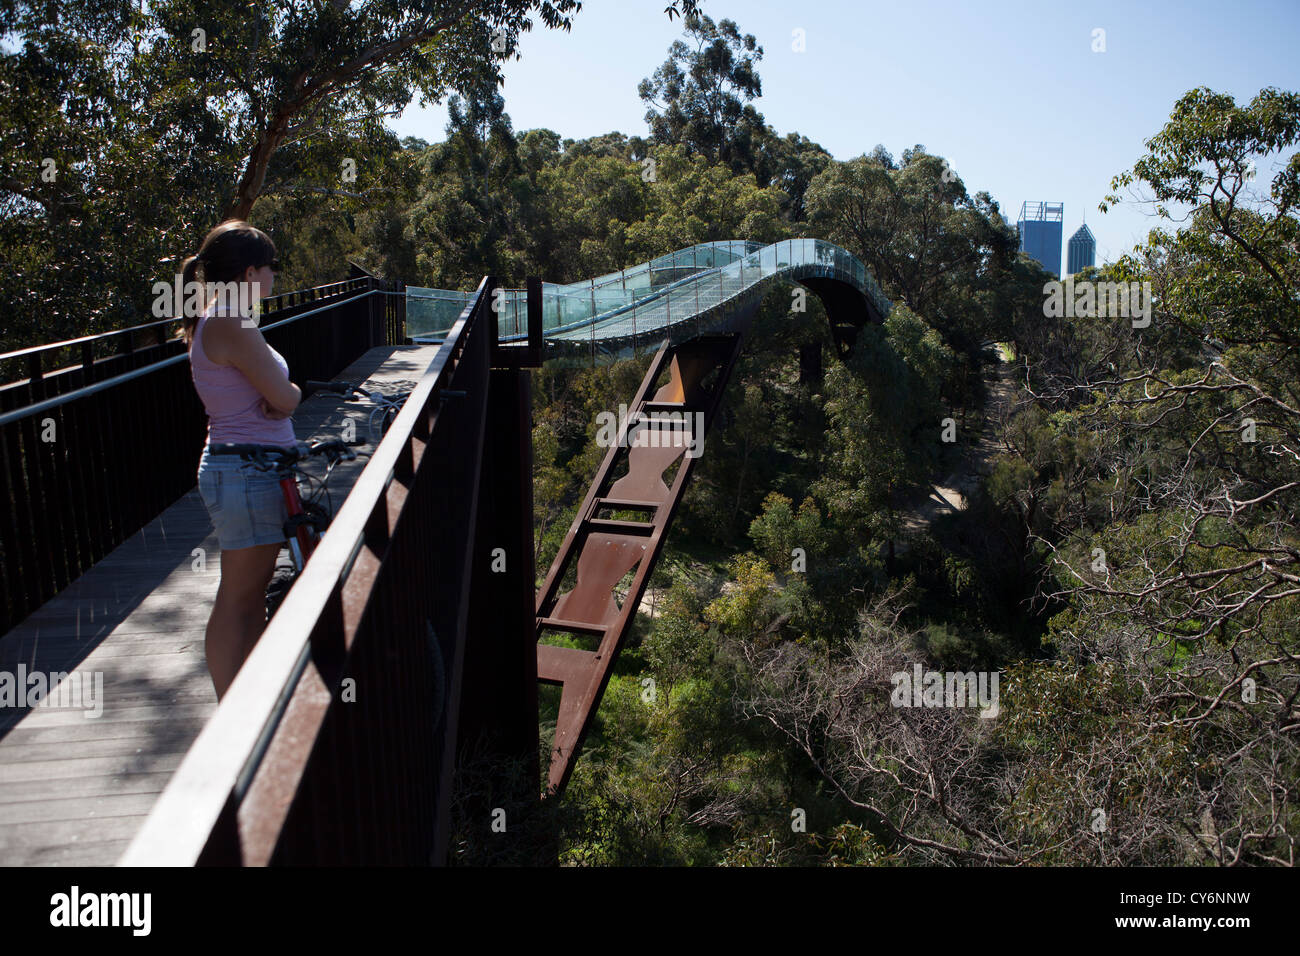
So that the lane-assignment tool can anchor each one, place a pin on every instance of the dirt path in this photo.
(949, 495)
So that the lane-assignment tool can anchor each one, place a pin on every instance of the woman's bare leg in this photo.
(239, 614)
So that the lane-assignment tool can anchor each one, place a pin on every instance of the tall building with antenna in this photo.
(1082, 251)
(1040, 233)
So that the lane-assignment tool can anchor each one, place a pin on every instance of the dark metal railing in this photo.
(336, 741)
(40, 372)
(97, 450)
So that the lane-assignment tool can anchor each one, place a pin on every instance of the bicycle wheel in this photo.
(281, 581)
(286, 569)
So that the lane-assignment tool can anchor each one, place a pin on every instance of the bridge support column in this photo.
(810, 364)
(498, 722)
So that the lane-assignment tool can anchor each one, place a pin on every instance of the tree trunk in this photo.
(254, 176)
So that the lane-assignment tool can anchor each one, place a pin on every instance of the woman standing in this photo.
(245, 388)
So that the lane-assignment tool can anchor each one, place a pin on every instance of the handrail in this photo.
(297, 665)
(49, 403)
(66, 343)
(144, 370)
(99, 336)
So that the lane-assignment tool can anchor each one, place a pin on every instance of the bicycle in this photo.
(388, 405)
(308, 518)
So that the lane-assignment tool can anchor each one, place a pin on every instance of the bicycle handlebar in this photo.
(351, 391)
(338, 388)
(271, 455)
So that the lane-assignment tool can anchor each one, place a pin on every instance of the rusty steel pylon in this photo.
(604, 550)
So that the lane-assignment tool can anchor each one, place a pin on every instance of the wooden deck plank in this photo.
(77, 854)
(157, 746)
(23, 838)
(118, 730)
(59, 768)
(28, 790)
(164, 645)
(80, 808)
(74, 790)
(147, 710)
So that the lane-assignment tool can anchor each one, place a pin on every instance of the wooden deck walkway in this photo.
(74, 788)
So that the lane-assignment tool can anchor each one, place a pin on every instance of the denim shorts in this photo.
(246, 505)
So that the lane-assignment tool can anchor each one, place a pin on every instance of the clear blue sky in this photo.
(1011, 93)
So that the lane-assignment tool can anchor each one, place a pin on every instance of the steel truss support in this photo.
(661, 432)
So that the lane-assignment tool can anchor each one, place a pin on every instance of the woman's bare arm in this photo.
(243, 347)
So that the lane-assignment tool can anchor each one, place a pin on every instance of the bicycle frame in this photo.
(303, 539)
(301, 529)
(386, 406)
(305, 521)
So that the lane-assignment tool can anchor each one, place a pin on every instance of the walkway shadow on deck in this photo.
(127, 639)
(74, 789)
(152, 594)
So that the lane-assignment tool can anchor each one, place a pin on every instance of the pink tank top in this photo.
(231, 400)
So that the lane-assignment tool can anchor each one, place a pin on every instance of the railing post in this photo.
(87, 363)
(35, 384)
(498, 715)
(493, 318)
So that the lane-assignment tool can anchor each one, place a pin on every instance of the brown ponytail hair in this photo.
(227, 251)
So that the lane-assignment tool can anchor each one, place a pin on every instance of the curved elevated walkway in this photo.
(703, 289)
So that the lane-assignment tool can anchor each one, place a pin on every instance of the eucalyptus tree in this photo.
(148, 123)
(699, 97)
(929, 243)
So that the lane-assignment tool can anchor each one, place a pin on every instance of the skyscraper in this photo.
(1082, 250)
(1040, 233)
